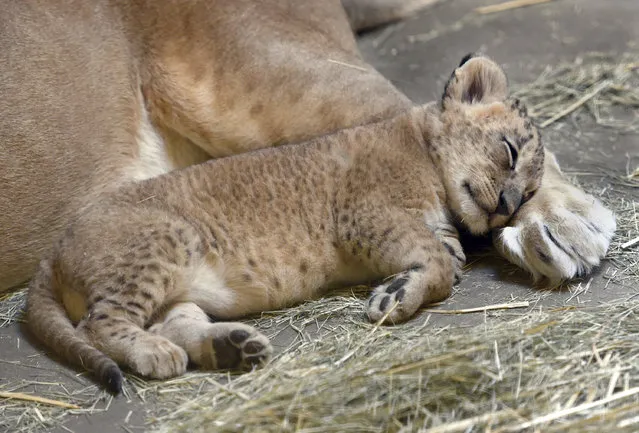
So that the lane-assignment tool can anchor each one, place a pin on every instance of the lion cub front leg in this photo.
(394, 242)
(449, 237)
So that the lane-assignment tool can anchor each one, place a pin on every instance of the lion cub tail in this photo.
(48, 320)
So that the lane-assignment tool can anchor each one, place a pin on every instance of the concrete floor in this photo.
(525, 41)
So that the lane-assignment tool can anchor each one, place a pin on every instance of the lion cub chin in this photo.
(135, 278)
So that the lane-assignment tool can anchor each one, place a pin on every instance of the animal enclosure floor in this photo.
(418, 56)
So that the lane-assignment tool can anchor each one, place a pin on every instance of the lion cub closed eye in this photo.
(136, 276)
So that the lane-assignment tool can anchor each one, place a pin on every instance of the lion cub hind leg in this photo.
(394, 242)
(213, 346)
(122, 304)
(148, 266)
(122, 338)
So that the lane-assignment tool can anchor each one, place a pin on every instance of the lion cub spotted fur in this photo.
(140, 272)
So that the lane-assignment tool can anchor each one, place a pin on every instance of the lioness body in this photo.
(267, 229)
(99, 93)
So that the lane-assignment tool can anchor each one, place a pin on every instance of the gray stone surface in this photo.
(525, 41)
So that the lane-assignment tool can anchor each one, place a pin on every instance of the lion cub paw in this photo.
(156, 357)
(235, 346)
(398, 299)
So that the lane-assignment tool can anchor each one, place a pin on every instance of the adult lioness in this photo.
(97, 93)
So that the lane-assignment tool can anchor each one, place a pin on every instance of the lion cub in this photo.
(140, 272)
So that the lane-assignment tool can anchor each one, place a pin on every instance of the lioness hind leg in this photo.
(213, 346)
(365, 14)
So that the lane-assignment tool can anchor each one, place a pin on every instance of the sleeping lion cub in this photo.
(140, 270)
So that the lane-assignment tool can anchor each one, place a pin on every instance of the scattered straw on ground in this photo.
(600, 83)
(560, 370)
(625, 260)
(11, 306)
(506, 6)
(42, 407)
(37, 399)
(476, 18)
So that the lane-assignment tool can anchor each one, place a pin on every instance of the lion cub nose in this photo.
(509, 202)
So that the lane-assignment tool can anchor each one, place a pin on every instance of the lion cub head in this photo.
(488, 150)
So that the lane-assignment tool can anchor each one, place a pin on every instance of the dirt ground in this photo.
(418, 55)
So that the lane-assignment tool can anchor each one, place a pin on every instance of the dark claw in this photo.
(450, 249)
(543, 256)
(466, 58)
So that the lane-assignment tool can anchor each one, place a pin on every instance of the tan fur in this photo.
(271, 228)
(561, 231)
(216, 78)
(99, 93)
(211, 78)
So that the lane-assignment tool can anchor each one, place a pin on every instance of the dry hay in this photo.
(625, 261)
(12, 306)
(560, 366)
(597, 82)
(514, 369)
(18, 416)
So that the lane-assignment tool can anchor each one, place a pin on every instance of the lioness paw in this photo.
(560, 234)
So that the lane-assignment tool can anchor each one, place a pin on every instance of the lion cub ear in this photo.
(476, 80)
